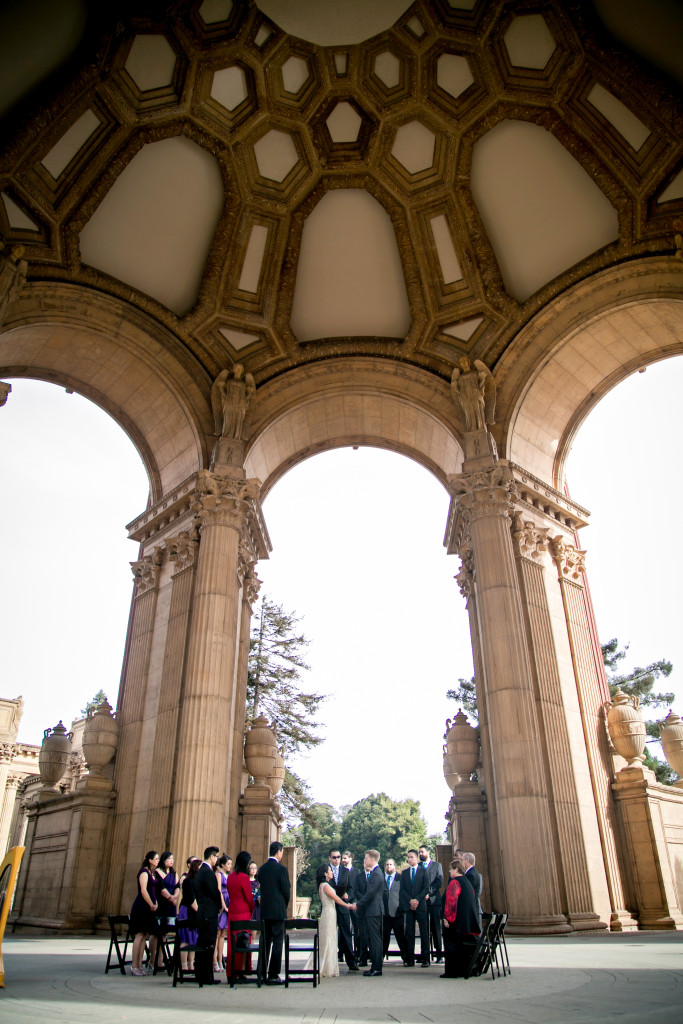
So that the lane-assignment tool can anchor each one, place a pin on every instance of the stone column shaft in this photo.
(130, 718)
(590, 687)
(9, 796)
(249, 593)
(570, 853)
(183, 551)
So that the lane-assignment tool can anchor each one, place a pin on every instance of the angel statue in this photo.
(475, 390)
(230, 397)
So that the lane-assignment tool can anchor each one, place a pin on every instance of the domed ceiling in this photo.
(285, 181)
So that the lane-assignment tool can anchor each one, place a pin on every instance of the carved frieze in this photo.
(570, 561)
(529, 541)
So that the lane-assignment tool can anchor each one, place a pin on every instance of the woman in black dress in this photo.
(143, 919)
(461, 922)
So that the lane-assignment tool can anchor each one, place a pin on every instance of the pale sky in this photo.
(358, 554)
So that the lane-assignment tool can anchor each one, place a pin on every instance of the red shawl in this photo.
(451, 905)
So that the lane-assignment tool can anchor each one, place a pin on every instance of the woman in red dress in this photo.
(241, 906)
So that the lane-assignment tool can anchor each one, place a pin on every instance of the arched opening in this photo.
(72, 480)
(623, 467)
(357, 552)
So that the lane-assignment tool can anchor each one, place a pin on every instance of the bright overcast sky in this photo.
(357, 539)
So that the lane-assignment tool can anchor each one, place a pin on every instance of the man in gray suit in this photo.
(473, 877)
(393, 919)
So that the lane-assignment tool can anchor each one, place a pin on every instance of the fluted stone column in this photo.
(228, 511)
(481, 522)
(131, 711)
(570, 564)
(251, 585)
(12, 781)
(182, 553)
(531, 546)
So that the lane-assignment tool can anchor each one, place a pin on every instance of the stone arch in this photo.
(576, 350)
(352, 401)
(130, 367)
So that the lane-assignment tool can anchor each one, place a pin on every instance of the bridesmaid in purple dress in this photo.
(143, 921)
(222, 879)
(187, 913)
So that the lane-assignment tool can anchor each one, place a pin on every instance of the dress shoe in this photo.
(362, 963)
(439, 959)
(409, 963)
(372, 973)
(274, 981)
(424, 965)
(210, 981)
(446, 975)
(352, 967)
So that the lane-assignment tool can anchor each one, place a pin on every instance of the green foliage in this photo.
(391, 826)
(276, 664)
(466, 696)
(315, 837)
(639, 683)
(99, 698)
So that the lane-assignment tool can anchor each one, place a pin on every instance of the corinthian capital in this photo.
(146, 572)
(7, 751)
(570, 561)
(182, 550)
(224, 501)
(529, 541)
(488, 492)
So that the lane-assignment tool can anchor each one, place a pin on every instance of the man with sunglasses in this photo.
(342, 886)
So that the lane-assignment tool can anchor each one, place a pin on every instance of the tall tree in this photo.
(639, 683)
(274, 688)
(391, 826)
(314, 837)
(99, 698)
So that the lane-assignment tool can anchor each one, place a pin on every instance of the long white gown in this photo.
(327, 936)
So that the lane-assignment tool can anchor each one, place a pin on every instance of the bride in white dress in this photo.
(327, 925)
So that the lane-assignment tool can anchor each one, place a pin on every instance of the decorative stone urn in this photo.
(671, 731)
(463, 745)
(627, 727)
(260, 750)
(277, 775)
(53, 759)
(100, 736)
(451, 776)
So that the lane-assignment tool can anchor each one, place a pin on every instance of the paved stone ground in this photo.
(630, 979)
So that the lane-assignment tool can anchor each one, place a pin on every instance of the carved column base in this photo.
(586, 922)
(623, 921)
(260, 821)
(550, 924)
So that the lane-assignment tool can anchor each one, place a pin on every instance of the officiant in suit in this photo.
(276, 889)
(434, 900)
(370, 906)
(208, 908)
(341, 880)
(473, 876)
(413, 905)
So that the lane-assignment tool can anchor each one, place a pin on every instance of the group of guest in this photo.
(164, 900)
(371, 905)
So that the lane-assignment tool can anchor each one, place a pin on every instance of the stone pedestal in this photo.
(60, 883)
(652, 816)
(289, 859)
(467, 816)
(260, 821)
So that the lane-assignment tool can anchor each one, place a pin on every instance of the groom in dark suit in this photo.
(208, 907)
(414, 889)
(434, 910)
(371, 905)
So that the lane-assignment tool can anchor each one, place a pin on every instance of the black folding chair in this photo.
(246, 946)
(497, 942)
(308, 945)
(119, 925)
(182, 974)
(481, 958)
(165, 943)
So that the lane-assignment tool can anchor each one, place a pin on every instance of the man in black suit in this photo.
(208, 908)
(275, 892)
(393, 918)
(371, 905)
(343, 887)
(412, 903)
(435, 876)
(473, 876)
(354, 875)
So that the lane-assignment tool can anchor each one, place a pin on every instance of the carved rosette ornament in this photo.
(528, 540)
(146, 572)
(626, 727)
(570, 561)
